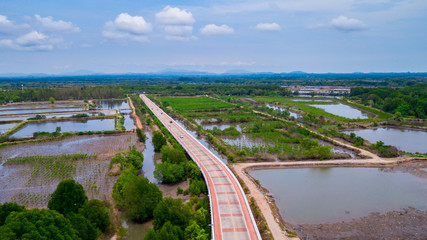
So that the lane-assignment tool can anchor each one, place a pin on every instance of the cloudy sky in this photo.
(112, 36)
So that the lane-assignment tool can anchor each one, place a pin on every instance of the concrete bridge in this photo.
(231, 215)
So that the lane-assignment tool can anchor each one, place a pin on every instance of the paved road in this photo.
(230, 212)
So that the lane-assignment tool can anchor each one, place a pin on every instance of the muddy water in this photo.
(329, 195)
(404, 139)
(343, 110)
(136, 231)
(66, 126)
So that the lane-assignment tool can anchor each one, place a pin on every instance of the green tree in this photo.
(169, 173)
(120, 186)
(95, 211)
(195, 232)
(172, 155)
(7, 208)
(172, 210)
(84, 227)
(141, 198)
(168, 231)
(52, 100)
(36, 223)
(68, 197)
(158, 140)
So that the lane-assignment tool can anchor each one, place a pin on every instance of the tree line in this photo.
(404, 102)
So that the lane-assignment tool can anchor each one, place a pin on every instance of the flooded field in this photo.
(407, 140)
(39, 110)
(343, 110)
(31, 184)
(6, 126)
(329, 195)
(291, 114)
(129, 123)
(113, 104)
(66, 126)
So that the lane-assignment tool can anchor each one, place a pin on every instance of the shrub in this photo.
(68, 197)
(95, 211)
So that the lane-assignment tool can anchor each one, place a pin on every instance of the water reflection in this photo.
(407, 140)
(321, 195)
(66, 126)
(343, 110)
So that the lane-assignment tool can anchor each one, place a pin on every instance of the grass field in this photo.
(194, 103)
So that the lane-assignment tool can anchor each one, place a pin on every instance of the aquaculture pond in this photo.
(343, 110)
(40, 110)
(113, 104)
(407, 140)
(329, 195)
(66, 126)
(129, 123)
(6, 126)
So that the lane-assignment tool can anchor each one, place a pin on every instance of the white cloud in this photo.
(31, 41)
(212, 29)
(48, 24)
(174, 16)
(7, 26)
(343, 23)
(128, 27)
(268, 27)
(177, 23)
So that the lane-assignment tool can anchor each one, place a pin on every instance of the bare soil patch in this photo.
(408, 223)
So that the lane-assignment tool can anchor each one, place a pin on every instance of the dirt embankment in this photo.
(135, 117)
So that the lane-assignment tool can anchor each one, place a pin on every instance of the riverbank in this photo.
(266, 203)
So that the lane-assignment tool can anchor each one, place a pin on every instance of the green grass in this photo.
(194, 103)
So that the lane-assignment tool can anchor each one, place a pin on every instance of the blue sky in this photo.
(113, 36)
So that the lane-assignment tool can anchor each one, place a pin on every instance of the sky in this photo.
(130, 36)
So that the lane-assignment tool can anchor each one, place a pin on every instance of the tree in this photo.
(169, 173)
(195, 232)
(172, 210)
(120, 186)
(52, 100)
(84, 227)
(172, 155)
(7, 208)
(141, 198)
(38, 224)
(158, 140)
(68, 197)
(95, 211)
(168, 231)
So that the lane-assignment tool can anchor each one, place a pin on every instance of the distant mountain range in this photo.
(189, 73)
